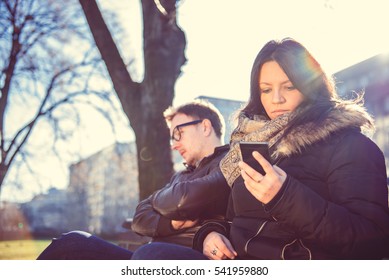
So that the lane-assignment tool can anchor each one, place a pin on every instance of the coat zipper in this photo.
(261, 227)
(258, 232)
(301, 243)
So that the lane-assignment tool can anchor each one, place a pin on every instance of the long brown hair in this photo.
(303, 71)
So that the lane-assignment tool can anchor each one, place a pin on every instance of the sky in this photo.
(338, 33)
(223, 38)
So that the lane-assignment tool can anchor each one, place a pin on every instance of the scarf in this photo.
(258, 129)
(342, 116)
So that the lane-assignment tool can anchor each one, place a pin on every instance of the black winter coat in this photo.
(333, 205)
(196, 193)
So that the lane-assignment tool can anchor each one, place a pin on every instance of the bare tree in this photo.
(36, 70)
(163, 45)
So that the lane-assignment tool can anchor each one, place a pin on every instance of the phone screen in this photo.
(247, 149)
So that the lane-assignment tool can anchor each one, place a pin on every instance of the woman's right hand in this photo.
(217, 247)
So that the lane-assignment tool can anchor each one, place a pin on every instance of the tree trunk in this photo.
(4, 94)
(144, 103)
(3, 172)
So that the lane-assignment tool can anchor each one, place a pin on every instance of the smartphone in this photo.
(247, 149)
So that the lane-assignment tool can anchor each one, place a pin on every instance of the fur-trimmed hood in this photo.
(341, 117)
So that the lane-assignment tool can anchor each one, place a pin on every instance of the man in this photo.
(172, 214)
(197, 194)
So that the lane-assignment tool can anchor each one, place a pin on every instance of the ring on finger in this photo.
(214, 252)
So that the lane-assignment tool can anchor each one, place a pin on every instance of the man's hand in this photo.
(183, 224)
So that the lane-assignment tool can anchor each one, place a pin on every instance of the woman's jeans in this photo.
(166, 251)
(79, 245)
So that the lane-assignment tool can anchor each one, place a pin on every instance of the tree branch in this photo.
(123, 84)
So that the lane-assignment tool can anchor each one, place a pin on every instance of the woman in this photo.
(324, 196)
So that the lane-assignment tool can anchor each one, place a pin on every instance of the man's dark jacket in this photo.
(195, 193)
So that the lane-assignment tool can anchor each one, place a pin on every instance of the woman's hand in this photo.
(262, 187)
(217, 247)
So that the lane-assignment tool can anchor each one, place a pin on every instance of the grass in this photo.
(22, 249)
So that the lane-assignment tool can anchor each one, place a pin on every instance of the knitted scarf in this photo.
(258, 129)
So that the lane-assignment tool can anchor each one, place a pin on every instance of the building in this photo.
(371, 77)
(103, 189)
(48, 214)
(227, 108)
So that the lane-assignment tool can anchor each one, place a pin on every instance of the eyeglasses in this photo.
(176, 135)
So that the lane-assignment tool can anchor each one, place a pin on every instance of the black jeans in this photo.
(166, 251)
(79, 245)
